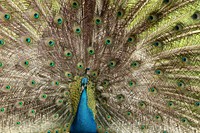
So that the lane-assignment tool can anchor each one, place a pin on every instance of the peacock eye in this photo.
(59, 21)
(135, 64)
(52, 64)
(158, 118)
(75, 4)
(68, 74)
(18, 123)
(131, 83)
(152, 18)
(78, 30)
(197, 104)
(32, 111)
(43, 97)
(178, 27)
(26, 63)
(184, 120)
(141, 104)
(120, 13)
(80, 65)
(28, 40)
(67, 125)
(108, 117)
(120, 98)
(33, 82)
(157, 44)
(105, 83)
(1, 64)
(184, 59)
(91, 51)
(48, 131)
(153, 90)
(94, 73)
(7, 16)
(196, 16)
(98, 21)
(108, 41)
(2, 110)
(181, 84)
(170, 104)
(51, 43)
(143, 127)
(166, 1)
(36, 15)
(59, 102)
(8, 87)
(131, 39)
(99, 127)
(158, 72)
(112, 64)
(55, 116)
(68, 53)
(57, 83)
(2, 42)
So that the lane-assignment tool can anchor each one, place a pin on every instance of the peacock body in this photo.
(106, 66)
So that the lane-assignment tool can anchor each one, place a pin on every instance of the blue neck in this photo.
(84, 120)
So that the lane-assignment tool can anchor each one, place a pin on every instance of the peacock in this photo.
(99, 66)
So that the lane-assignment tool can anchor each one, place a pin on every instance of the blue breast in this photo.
(84, 120)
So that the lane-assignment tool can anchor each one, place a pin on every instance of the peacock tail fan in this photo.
(143, 55)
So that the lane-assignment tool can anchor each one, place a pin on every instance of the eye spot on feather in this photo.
(98, 21)
(78, 30)
(184, 59)
(135, 64)
(51, 43)
(108, 41)
(26, 63)
(1, 42)
(131, 83)
(170, 104)
(120, 98)
(184, 120)
(28, 40)
(8, 87)
(197, 104)
(33, 82)
(152, 18)
(142, 105)
(120, 13)
(75, 5)
(152, 90)
(143, 127)
(52, 64)
(2, 110)
(112, 63)
(80, 65)
(166, 1)
(94, 73)
(91, 51)
(7, 16)
(181, 84)
(1, 64)
(196, 16)
(158, 72)
(59, 21)
(178, 27)
(36, 15)
(18, 123)
(157, 44)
